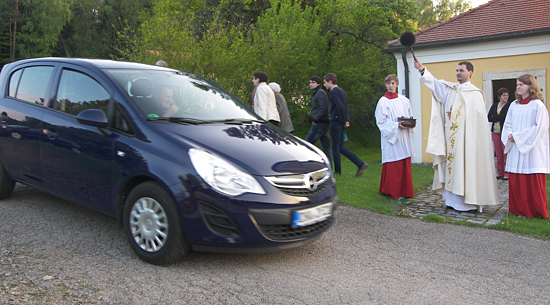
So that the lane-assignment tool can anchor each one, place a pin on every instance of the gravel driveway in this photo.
(55, 252)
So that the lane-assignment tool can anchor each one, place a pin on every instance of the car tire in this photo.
(6, 184)
(152, 225)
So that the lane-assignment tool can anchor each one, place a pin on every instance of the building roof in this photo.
(495, 20)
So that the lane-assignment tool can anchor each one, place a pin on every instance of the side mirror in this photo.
(93, 117)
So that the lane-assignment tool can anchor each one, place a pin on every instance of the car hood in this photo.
(258, 149)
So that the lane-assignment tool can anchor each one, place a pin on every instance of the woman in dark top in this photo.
(497, 115)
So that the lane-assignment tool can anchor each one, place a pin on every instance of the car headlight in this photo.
(222, 176)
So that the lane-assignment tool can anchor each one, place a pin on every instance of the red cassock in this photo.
(397, 179)
(528, 197)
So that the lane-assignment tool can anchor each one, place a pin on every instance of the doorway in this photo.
(509, 84)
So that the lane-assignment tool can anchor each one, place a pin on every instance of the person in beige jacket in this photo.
(282, 108)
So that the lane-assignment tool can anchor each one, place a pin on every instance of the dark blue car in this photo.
(180, 162)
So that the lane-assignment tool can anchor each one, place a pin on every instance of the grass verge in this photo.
(364, 192)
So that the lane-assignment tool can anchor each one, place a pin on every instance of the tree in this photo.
(290, 41)
(289, 45)
(40, 31)
(446, 9)
(357, 30)
(9, 16)
(81, 36)
(433, 12)
(166, 33)
(116, 16)
(4, 46)
(427, 13)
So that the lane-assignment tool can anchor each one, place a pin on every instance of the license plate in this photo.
(312, 215)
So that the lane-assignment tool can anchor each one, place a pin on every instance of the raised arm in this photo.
(438, 89)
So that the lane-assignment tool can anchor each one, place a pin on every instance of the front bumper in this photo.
(256, 223)
(256, 249)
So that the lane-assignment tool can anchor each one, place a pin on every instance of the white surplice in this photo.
(529, 153)
(461, 145)
(396, 143)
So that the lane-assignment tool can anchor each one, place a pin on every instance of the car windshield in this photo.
(178, 95)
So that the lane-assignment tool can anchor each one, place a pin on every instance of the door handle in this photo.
(50, 134)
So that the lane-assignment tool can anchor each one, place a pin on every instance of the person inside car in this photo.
(164, 99)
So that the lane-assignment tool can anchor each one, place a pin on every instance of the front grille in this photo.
(217, 221)
(302, 184)
(287, 232)
(303, 192)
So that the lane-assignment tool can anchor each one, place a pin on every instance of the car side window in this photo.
(14, 82)
(30, 84)
(120, 121)
(78, 91)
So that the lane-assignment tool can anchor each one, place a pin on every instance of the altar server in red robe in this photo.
(525, 138)
(396, 142)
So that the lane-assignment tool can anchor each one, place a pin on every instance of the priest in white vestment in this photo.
(460, 141)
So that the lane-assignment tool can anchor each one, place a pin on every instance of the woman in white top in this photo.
(525, 139)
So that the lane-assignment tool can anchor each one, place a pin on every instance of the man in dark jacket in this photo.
(339, 123)
(320, 115)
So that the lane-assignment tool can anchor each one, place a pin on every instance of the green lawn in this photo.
(363, 191)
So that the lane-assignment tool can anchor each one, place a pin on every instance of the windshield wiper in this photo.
(197, 121)
(235, 121)
(177, 120)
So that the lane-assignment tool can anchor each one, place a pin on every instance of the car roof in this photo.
(97, 63)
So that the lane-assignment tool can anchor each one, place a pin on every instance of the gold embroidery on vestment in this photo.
(455, 127)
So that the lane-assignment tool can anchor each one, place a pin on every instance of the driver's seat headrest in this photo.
(142, 87)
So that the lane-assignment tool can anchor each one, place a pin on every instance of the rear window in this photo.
(30, 84)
